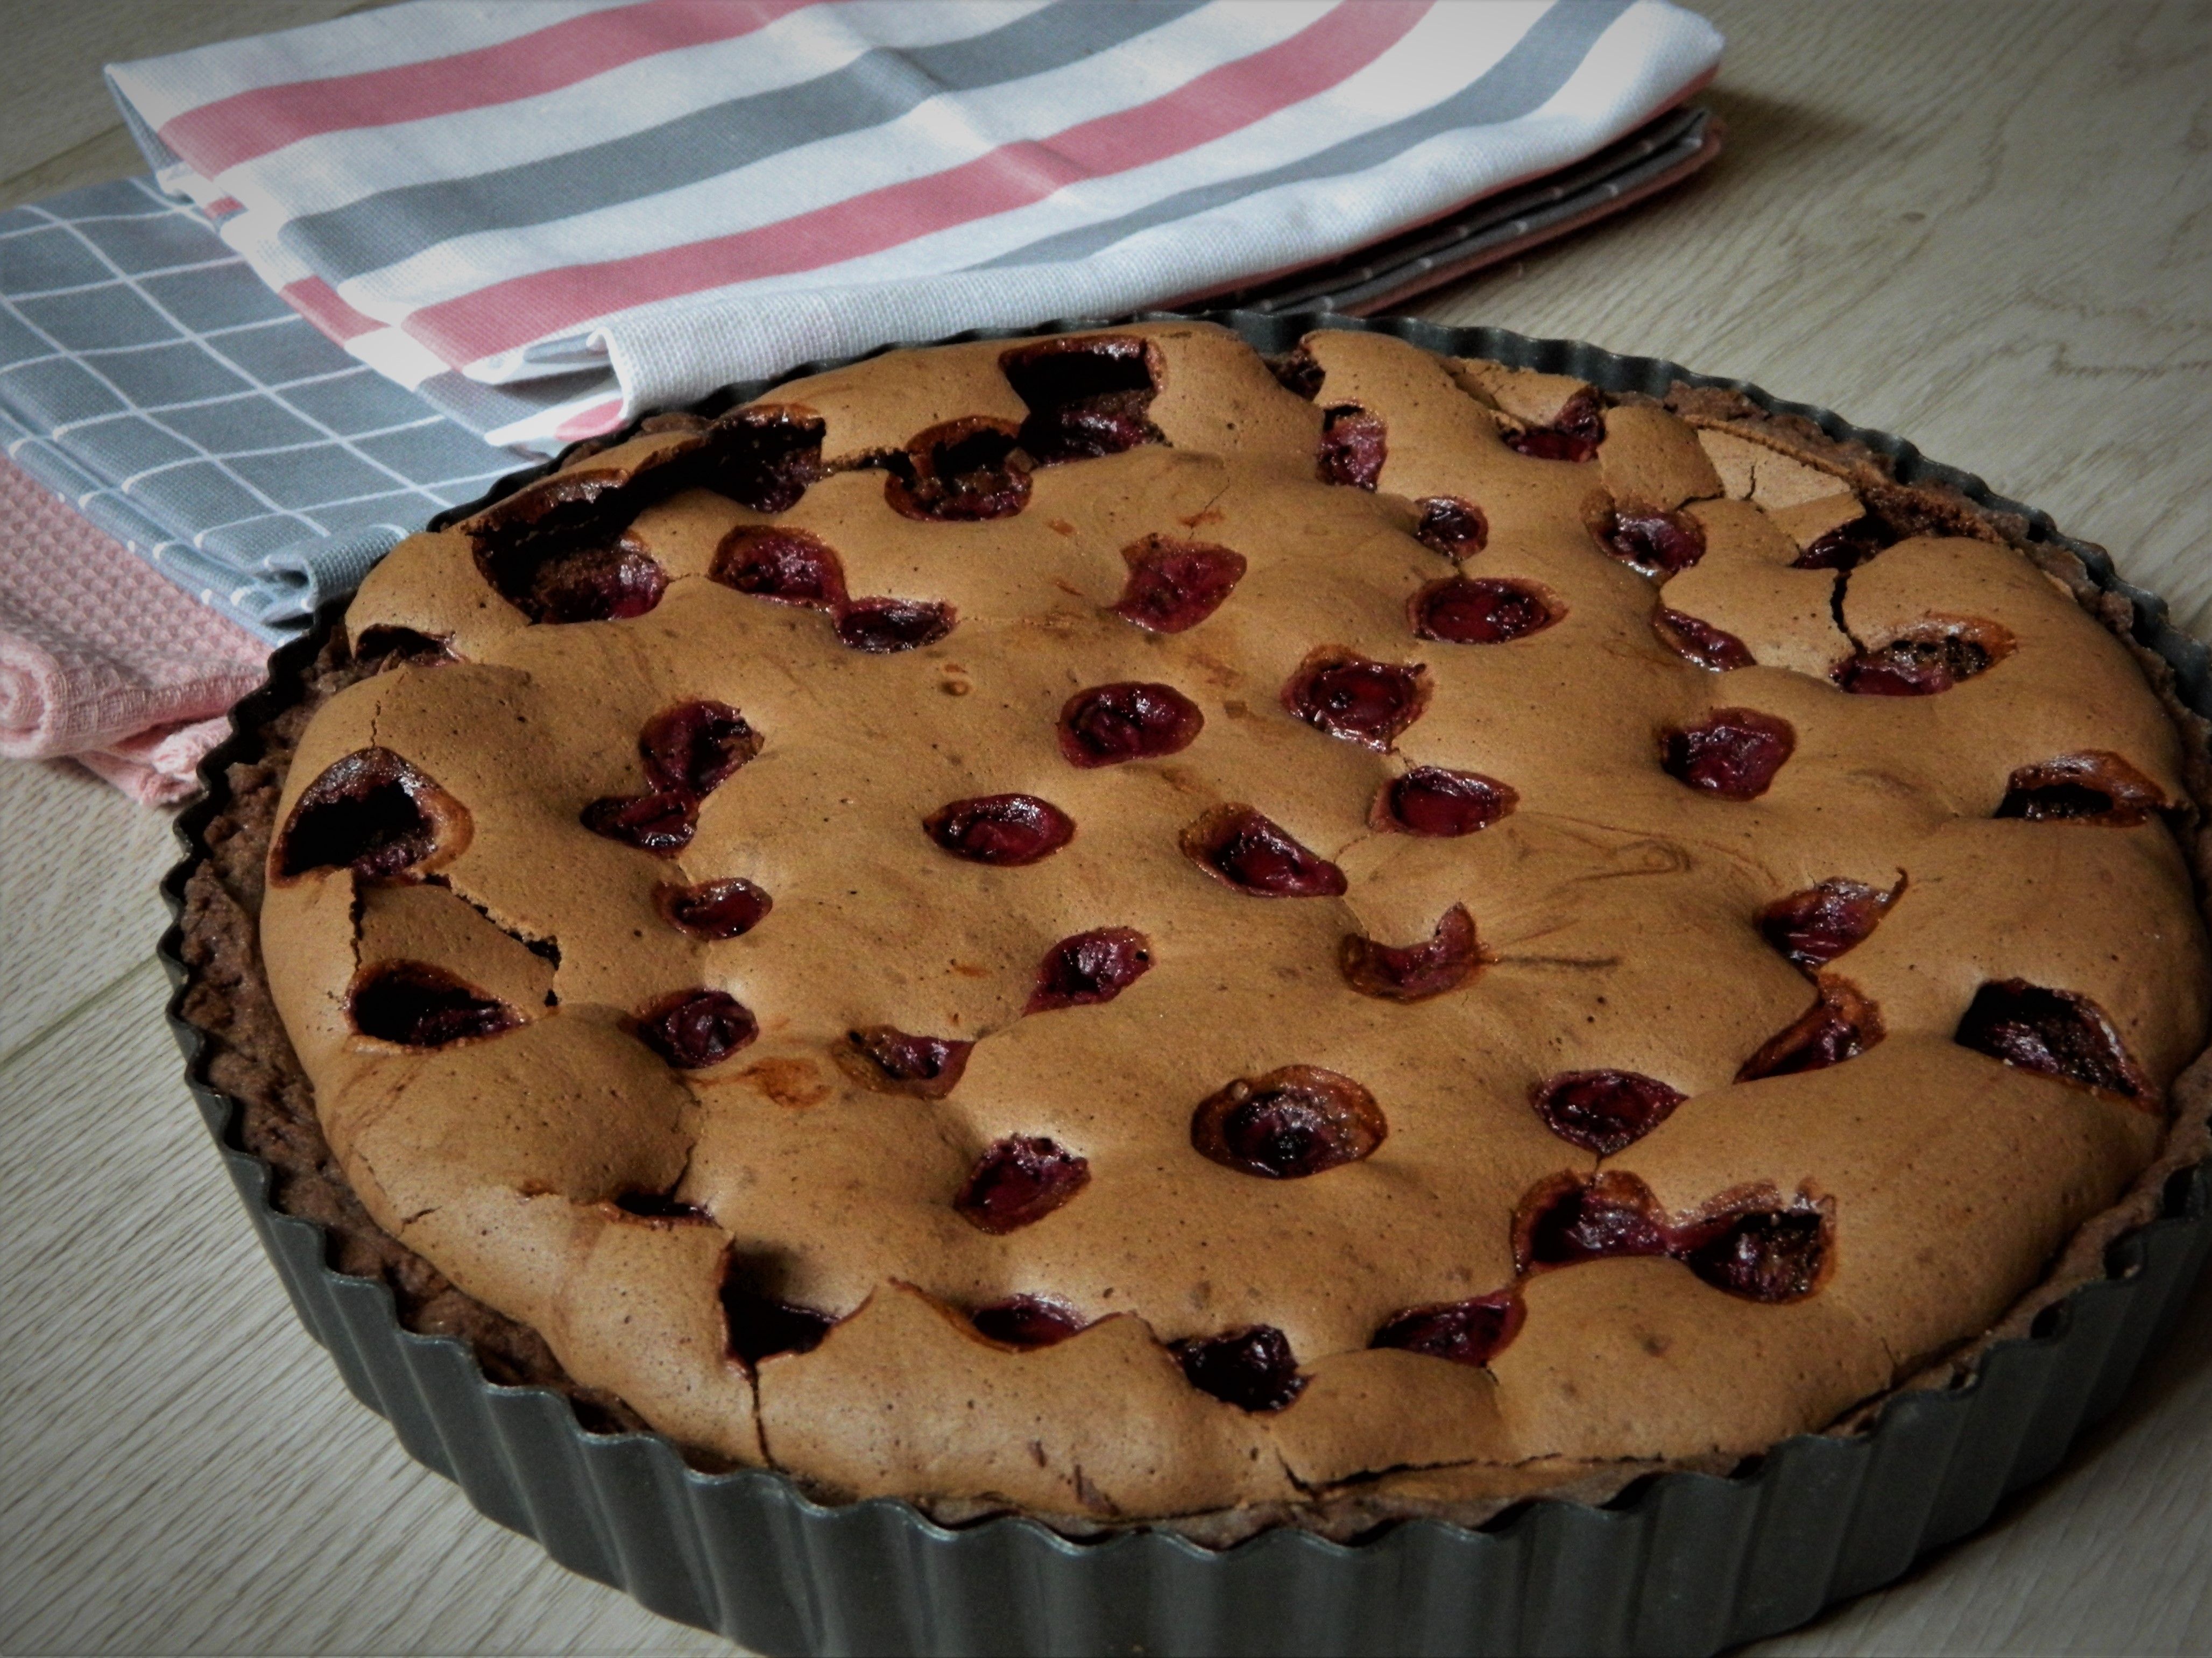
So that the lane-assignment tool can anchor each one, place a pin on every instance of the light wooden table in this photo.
(1986, 226)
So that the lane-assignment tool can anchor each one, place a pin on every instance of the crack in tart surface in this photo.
(1104, 926)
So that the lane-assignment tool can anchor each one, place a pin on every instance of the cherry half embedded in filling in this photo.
(1003, 830)
(1432, 800)
(1235, 844)
(713, 909)
(1657, 543)
(2056, 1032)
(1733, 753)
(374, 813)
(1089, 969)
(661, 822)
(1481, 610)
(1129, 720)
(895, 1062)
(1444, 961)
(1700, 641)
(883, 627)
(1750, 1243)
(763, 457)
(761, 1325)
(1174, 585)
(1028, 1321)
(693, 746)
(959, 472)
(1019, 1181)
(576, 577)
(1815, 926)
(1359, 700)
(1763, 1255)
(1471, 1332)
(2092, 787)
(1252, 1368)
(1925, 661)
(1603, 1111)
(694, 1029)
(1455, 527)
(1087, 398)
(1290, 1124)
(792, 567)
(1353, 443)
(1841, 1024)
(1845, 547)
(1574, 434)
(1566, 1219)
(419, 1005)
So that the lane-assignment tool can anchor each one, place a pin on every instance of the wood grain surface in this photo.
(1985, 226)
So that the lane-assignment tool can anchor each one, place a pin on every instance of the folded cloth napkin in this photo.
(150, 377)
(103, 661)
(585, 208)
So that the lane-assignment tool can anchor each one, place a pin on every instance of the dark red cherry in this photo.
(1603, 1111)
(1087, 398)
(1353, 446)
(1574, 434)
(1700, 642)
(1252, 1368)
(713, 909)
(1566, 1219)
(694, 1029)
(1454, 527)
(1657, 543)
(371, 812)
(1028, 1321)
(1432, 800)
(1732, 753)
(962, 471)
(1003, 830)
(1444, 961)
(1292, 1123)
(883, 627)
(1815, 926)
(1355, 698)
(1237, 845)
(1841, 1024)
(761, 1325)
(661, 822)
(693, 746)
(792, 567)
(1845, 547)
(1019, 1181)
(2056, 1032)
(1174, 585)
(1129, 720)
(761, 458)
(419, 1005)
(2093, 787)
(896, 1062)
(1465, 1332)
(1090, 968)
(551, 578)
(1481, 610)
(1925, 661)
(1763, 1255)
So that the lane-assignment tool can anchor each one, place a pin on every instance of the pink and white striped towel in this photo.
(608, 205)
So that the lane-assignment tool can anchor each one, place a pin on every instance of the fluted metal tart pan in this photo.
(1684, 1563)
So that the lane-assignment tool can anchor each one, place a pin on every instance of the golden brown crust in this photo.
(1621, 1364)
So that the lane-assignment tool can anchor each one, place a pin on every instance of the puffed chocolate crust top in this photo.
(1106, 926)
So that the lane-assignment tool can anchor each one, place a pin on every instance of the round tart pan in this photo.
(1681, 1562)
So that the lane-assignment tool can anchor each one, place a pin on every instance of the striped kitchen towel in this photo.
(576, 210)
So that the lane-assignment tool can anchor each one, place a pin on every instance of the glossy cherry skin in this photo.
(1238, 846)
(1108, 724)
(1006, 831)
